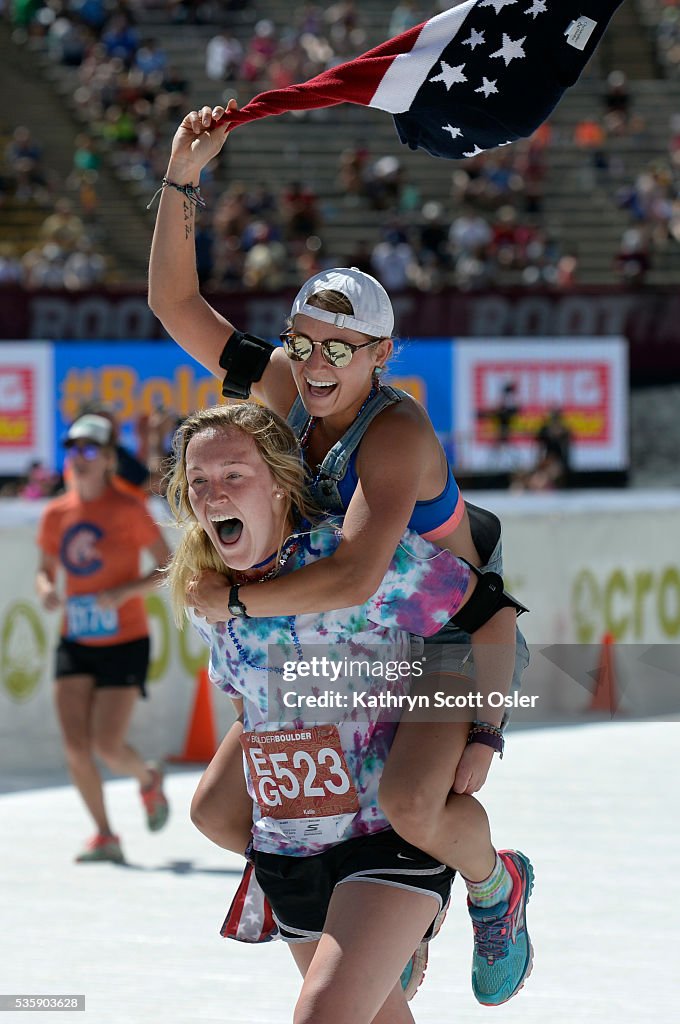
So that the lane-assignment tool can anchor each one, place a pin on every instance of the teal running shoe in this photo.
(503, 954)
(413, 974)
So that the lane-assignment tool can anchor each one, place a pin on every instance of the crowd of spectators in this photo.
(490, 228)
(64, 254)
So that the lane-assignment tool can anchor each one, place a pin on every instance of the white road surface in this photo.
(595, 807)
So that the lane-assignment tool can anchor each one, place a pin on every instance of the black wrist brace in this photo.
(245, 358)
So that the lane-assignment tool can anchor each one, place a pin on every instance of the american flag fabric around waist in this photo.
(481, 74)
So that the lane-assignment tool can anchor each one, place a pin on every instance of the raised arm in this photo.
(174, 294)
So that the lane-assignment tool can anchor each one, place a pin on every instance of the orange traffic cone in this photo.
(201, 739)
(605, 698)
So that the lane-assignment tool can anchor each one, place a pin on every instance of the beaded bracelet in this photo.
(488, 735)
(192, 192)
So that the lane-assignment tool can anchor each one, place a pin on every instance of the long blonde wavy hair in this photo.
(278, 446)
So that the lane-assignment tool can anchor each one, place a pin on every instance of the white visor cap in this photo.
(373, 313)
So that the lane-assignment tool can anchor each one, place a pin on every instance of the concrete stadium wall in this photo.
(588, 565)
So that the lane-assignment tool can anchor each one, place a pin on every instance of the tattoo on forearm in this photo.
(188, 219)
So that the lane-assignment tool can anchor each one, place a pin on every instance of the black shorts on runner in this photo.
(299, 889)
(119, 665)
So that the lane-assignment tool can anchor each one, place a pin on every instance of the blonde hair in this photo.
(278, 446)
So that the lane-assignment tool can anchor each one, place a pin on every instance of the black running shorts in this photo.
(299, 888)
(119, 665)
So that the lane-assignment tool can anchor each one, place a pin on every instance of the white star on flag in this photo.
(510, 49)
(450, 75)
(476, 38)
(497, 5)
(538, 8)
(487, 87)
(475, 152)
(455, 132)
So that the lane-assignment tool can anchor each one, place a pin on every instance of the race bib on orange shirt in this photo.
(87, 620)
(301, 780)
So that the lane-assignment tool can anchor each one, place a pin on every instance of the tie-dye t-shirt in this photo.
(314, 780)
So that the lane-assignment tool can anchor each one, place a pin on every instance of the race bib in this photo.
(301, 781)
(85, 619)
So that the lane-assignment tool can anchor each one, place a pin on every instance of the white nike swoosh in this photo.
(402, 856)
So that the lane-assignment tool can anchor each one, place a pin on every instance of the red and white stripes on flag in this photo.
(249, 918)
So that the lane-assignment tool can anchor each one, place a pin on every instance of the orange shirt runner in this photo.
(99, 544)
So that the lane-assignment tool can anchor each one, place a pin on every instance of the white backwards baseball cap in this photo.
(373, 313)
(91, 428)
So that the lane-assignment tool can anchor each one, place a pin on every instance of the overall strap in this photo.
(335, 463)
(298, 417)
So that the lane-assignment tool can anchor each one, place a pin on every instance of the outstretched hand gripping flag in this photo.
(481, 74)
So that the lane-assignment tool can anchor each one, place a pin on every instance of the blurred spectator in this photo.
(150, 58)
(632, 261)
(11, 271)
(554, 447)
(470, 233)
(394, 261)
(616, 104)
(345, 33)
(506, 411)
(352, 173)
(120, 39)
(63, 226)
(260, 51)
(405, 15)
(23, 158)
(383, 183)
(223, 56)
(265, 261)
(299, 211)
(41, 482)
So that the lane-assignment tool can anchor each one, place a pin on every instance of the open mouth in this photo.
(320, 388)
(228, 529)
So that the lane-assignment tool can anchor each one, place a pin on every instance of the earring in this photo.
(378, 371)
(279, 494)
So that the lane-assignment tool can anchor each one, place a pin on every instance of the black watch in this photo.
(236, 606)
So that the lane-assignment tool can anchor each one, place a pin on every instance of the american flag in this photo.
(481, 74)
(249, 918)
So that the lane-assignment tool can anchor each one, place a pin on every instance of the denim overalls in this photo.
(484, 525)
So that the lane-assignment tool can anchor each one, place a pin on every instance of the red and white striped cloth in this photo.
(249, 918)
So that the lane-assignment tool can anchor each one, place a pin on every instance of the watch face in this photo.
(236, 607)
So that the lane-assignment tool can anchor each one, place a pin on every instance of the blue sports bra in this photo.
(337, 478)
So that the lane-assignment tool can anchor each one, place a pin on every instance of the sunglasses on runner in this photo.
(299, 348)
(89, 450)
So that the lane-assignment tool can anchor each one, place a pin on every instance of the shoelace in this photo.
(493, 938)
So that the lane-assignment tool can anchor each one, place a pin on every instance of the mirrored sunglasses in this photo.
(299, 348)
(88, 450)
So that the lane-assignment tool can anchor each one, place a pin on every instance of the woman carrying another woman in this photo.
(374, 456)
(351, 897)
(95, 534)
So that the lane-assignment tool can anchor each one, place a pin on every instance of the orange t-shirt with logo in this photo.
(99, 544)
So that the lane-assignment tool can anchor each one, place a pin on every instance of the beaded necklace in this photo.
(311, 423)
(288, 549)
(266, 668)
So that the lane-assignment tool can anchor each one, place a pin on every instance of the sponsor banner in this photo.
(135, 378)
(141, 377)
(648, 318)
(425, 369)
(26, 401)
(504, 391)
